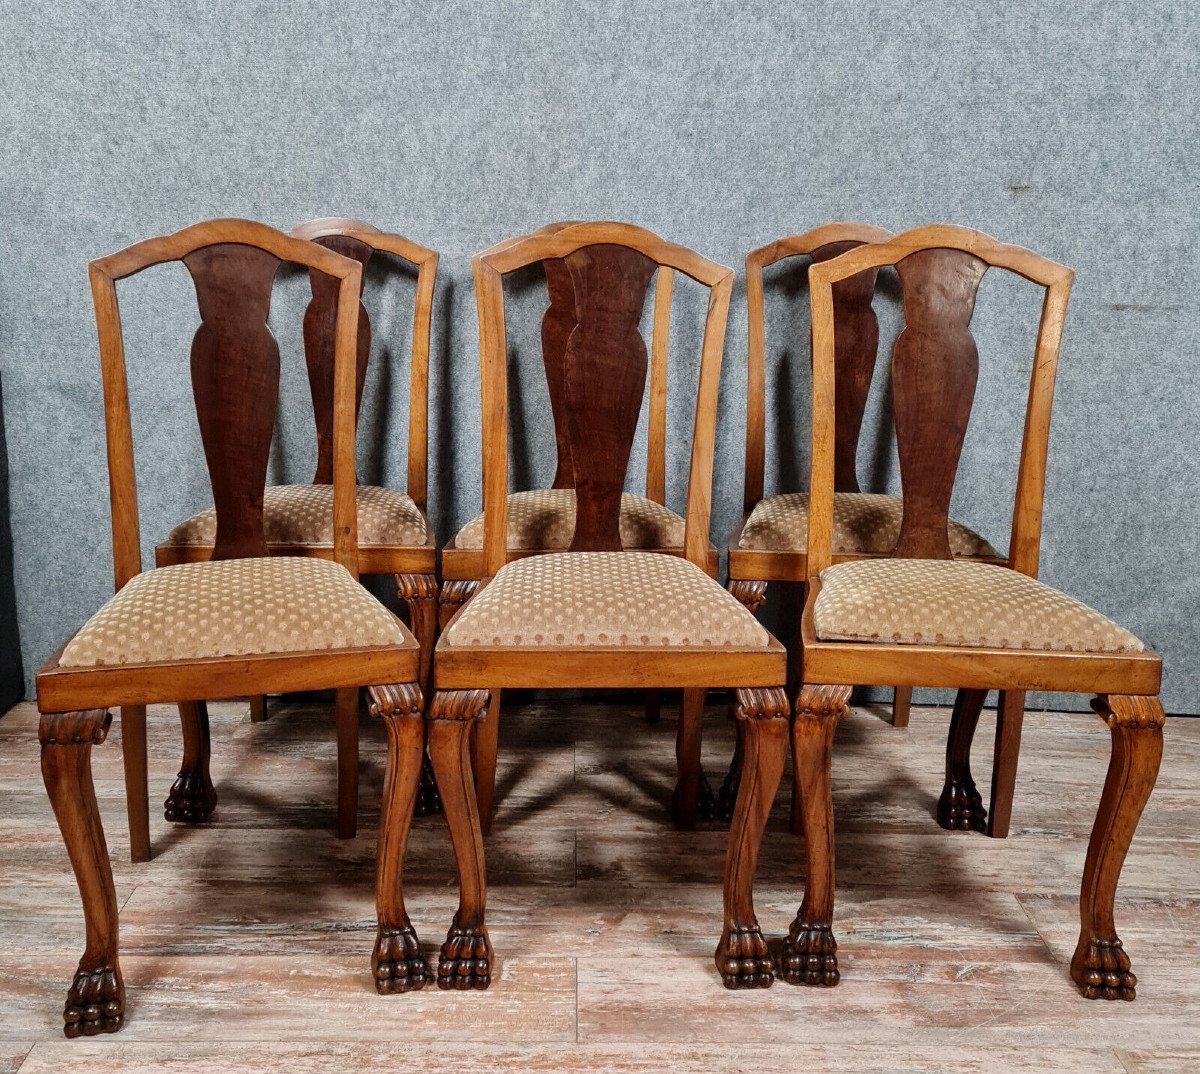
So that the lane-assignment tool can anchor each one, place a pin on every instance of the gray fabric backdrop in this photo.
(1068, 128)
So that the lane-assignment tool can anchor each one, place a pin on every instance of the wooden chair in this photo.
(770, 542)
(244, 623)
(925, 618)
(395, 536)
(592, 616)
(543, 520)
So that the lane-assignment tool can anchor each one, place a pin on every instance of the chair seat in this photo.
(303, 515)
(545, 518)
(604, 600)
(958, 603)
(234, 607)
(863, 522)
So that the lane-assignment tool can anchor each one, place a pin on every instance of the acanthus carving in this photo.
(395, 699)
(1129, 710)
(815, 701)
(416, 586)
(751, 594)
(85, 727)
(761, 703)
(457, 593)
(459, 704)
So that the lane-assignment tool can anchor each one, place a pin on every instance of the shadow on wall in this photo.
(11, 677)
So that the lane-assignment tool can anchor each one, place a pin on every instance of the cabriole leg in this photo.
(396, 962)
(762, 715)
(466, 956)
(193, 797)
(485, 746)
(1100, 966)
(96, 1000)
(810, 955)
(960, 808)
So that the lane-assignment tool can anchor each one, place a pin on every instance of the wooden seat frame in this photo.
(463, 568)
(612, 264)
(413, 567)
(943, 266)
(235, 369)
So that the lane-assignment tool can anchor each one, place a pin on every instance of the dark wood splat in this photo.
(558, 322)
(319, 326)
(235, 380)
(604, 380)
(935, 365)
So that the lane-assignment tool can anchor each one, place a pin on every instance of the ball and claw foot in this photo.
(960, 808)
(429, 802)
(466, 960)
(1102, 971)
(742, 959)
(810, 956)
(95, 1003)
(397, 963)
(192, 799)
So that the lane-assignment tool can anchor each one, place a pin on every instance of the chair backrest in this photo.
(235, 378)
(604, 371)
(857, 344)
(935, 365)
(558, 322)
(353, 238)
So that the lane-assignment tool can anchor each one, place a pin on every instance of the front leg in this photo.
(810, 956)
(193, 797)
(396, 962)
(466, 956)
(96, 1000)
(420, 595)
(762, 715)
(1100, 966)
(960, 808)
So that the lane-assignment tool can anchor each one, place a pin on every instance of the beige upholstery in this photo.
(545, 518)
(234, 607)
(948, 602)
(865, 522)
(605, 599)
(303, 515)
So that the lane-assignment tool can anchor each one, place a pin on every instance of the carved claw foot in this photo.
(960, 808)
(429, 802)
(466, 959)
(397, 963)
(95, 1003)
(1101, 970)
(192, 799)
(810, 956)
(727, 795)
(742, 959)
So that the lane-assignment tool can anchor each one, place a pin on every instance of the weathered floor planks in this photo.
(245, 942)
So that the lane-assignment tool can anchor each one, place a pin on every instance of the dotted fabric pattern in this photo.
(545, 518)
(303, 515)
(866, 522)
(234, 607)
(605, 599)
(944, 602)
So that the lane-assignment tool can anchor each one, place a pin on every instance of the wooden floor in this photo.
(245, 943)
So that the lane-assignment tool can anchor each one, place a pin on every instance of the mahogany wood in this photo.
(558, 323)
(137, 798)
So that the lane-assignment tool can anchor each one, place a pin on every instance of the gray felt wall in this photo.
(1070, 128)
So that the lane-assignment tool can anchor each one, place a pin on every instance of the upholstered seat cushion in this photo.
(303, 515)
(234, 607)
(948, 602)
(604, 600)
(545, 518)
(865, 522)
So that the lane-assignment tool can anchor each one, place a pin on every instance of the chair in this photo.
(769, 543)
(922, 617)
(243, 623)
(594, 615)
(394, 535)
(543, 520)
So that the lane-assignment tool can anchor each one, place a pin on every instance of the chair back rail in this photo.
(235, 378)
(604, 371)
(355, 239)
(857, 344)
(935, 365)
